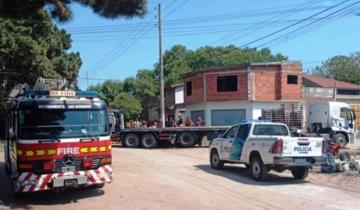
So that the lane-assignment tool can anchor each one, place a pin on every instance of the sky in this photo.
(309, 31)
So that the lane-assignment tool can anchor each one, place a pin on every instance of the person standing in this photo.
(189, 122)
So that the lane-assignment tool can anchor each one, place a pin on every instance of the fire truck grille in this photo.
(78, 163)
(58, 164)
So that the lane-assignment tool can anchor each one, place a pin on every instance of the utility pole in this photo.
(162, 103)
(87, 80)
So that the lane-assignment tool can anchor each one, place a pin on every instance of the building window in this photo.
(188, 88)
(292, 79)
(348, 92)
(227, 83)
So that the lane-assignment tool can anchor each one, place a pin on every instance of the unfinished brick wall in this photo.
(265, 88)
(197, 95)
(211, 87)
(269, 82)
(291, 91)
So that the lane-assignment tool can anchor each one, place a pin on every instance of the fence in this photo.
(290, 114)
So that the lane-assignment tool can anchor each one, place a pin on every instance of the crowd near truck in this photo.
(264, 146)
(152, 137)
(56, 139)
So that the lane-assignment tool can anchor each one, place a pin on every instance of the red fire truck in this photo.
(57, 139)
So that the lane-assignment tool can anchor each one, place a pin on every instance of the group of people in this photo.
(187, 123)
(139, 123)
(142, 124)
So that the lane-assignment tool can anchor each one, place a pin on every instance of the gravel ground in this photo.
(182, 179)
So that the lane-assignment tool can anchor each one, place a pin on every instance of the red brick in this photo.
(270, 82)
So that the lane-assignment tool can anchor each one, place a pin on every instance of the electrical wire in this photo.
(314, 25)
(293, 24)
(264, 23)
(120, 52)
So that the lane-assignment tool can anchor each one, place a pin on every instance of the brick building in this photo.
(224, 96)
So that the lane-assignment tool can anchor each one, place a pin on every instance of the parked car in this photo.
(265, 146)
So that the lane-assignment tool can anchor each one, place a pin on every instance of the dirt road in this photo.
(182, 179)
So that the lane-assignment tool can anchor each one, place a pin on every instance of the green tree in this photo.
(343, 68)
(130, 106)
(142, 86)
(179, 60)
(108, 90)
(59, 9)
(35, 48)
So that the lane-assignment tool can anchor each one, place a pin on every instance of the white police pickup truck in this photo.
(265, 146)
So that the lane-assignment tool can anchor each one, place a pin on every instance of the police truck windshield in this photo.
(62, 123)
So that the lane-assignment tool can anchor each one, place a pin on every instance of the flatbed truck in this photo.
(152, 137)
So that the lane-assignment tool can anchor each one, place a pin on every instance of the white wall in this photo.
(253, 109)
(179, 95)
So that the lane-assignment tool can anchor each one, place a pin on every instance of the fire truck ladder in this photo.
(50, 84)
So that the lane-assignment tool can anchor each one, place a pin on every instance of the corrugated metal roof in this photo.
(330, 83)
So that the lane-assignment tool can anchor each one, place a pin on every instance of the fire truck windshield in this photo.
(62, 123)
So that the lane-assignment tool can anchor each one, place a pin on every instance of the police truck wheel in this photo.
(340, 139)
(258, 169)
(149, 141)
(132, 140)
(215, 161)
(186, 139)
(300, 172)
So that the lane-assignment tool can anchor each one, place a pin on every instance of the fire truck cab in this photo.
(57, 139)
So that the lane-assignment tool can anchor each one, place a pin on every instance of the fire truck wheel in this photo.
(132, 140)
(186, 139)
(340, 139)
(149, 141)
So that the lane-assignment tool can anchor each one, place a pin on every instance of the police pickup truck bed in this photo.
(265, 146)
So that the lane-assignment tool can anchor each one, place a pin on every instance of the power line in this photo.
(292, 25)
(251, 25)
(114, 50)
(182, 33)
(266, 22)
(343, 12)
(185, 22)
(117, 54)
(95, 79)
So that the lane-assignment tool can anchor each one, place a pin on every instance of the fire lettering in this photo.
(69, 150)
